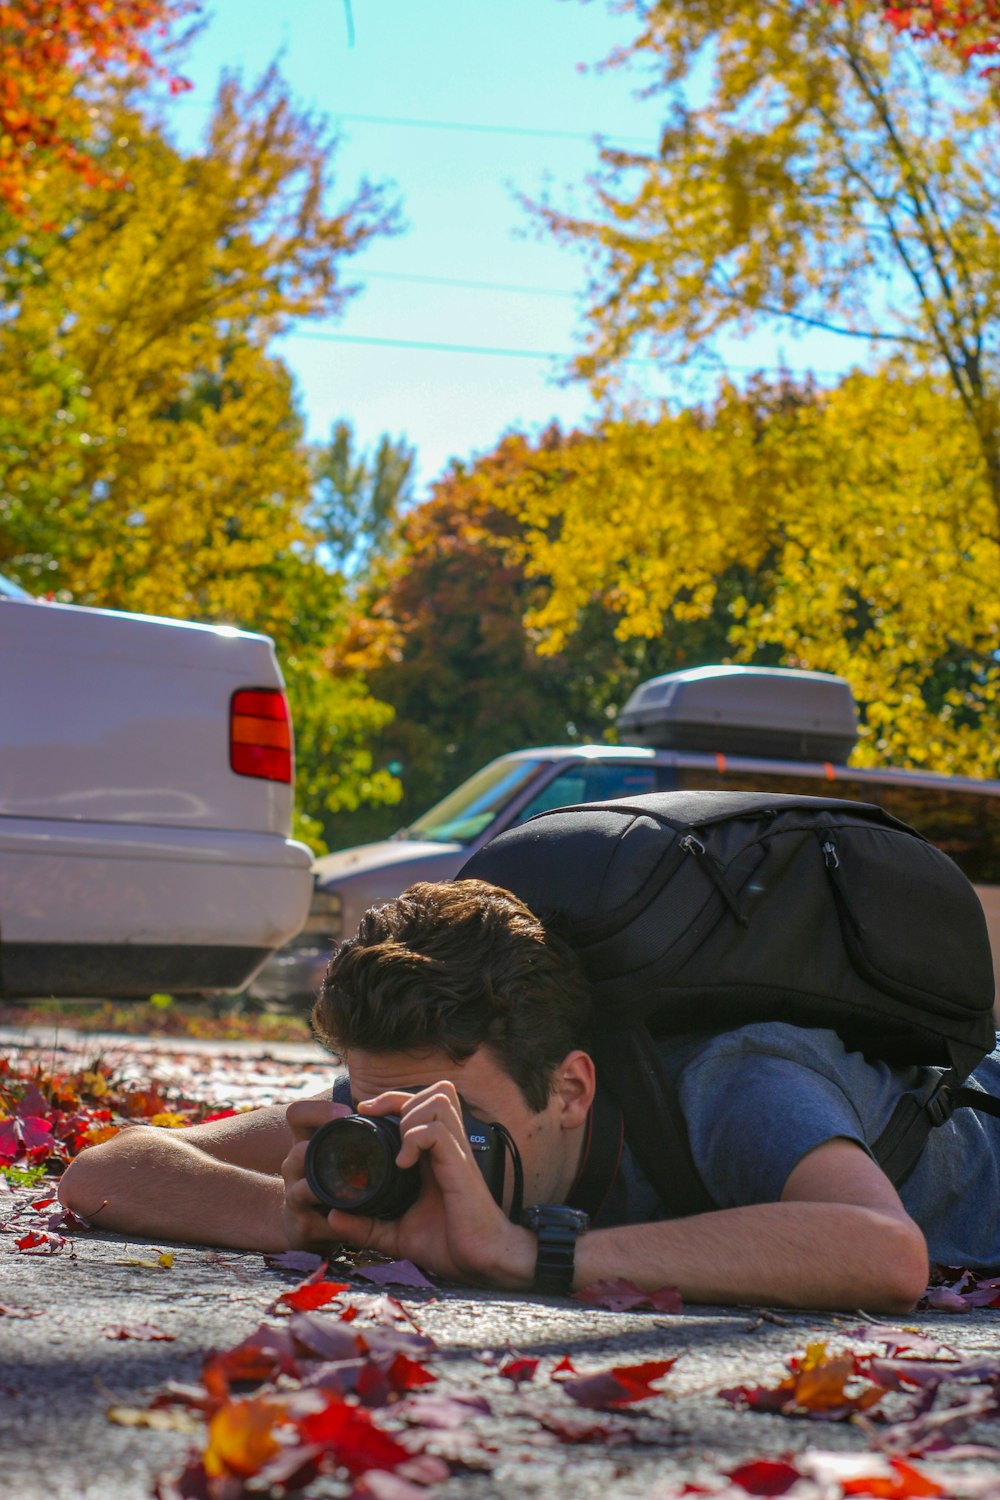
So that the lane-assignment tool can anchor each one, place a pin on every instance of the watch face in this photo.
(554, 1216)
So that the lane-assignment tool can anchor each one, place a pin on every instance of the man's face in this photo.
(549, 1142)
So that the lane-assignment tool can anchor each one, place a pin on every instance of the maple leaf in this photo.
(622, 1295)
(40, 1242)
(405, 1374)
(352, 1437)
(241, 1437)
(765, 1476)
(27, 1137)
(145, 1332)
(572, 1429)
(519, 1368)
(443, 1412)
(620, 1386)
(816, 1387)
(310, 1294)
(264, 1355)
(396, 1273)
(381, 1485)
(904, 1483)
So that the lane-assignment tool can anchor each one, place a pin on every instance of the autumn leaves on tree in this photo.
(820, 165)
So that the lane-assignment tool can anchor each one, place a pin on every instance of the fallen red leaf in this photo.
(574, 1429)
(381, 1485)
(906, 1481)
(312, 1294)
(565, 1364)
(624, 1296)
(351, 1436)
(241, 1437)
(405, 1374)
(40, 1242)
(765, 1476)
(396, 1273)
(145, 1332)
(519, 1368)
(816, 1387)
(619, 1386)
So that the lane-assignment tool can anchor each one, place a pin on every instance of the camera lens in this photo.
(351, 1165)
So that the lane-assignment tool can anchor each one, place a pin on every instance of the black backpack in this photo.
(705, 911)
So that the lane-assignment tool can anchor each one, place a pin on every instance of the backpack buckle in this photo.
(940, 1106)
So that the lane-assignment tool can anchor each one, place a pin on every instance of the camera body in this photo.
(351, 1164)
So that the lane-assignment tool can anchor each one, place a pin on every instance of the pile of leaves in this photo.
(153, 1018)
(47, 1118)
(340, 1383)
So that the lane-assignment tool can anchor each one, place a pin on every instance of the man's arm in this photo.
(214, 1184)
(839, 1238)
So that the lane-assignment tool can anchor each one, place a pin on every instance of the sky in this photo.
(466, 321)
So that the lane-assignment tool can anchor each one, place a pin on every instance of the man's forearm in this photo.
(152, 1183)
(791, 1254)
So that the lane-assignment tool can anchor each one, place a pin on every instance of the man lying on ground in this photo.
(455, 994)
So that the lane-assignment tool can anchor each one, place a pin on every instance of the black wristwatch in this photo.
(557, 1228)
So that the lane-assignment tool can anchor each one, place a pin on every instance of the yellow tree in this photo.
(846, 531)
(153, 455)
(813, 170)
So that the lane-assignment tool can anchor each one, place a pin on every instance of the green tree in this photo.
(813, 171)
(358, 497)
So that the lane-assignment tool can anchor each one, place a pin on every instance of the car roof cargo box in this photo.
(767, 711)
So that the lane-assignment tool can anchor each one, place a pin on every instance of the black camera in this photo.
(351, 1164)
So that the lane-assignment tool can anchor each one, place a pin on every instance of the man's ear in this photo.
(574, 1083)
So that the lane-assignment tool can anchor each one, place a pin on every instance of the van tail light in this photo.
(260, 734)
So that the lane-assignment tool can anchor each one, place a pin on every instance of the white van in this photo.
(145, 804)
(733, 728)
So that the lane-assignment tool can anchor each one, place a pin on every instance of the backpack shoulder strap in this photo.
(631, 1069)
(898, 1148)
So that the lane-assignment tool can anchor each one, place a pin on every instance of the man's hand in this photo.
(454, 1229)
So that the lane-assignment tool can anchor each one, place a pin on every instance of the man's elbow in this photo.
(904, 1269)
(83, 1187)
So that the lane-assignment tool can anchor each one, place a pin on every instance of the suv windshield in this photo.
(465, 812)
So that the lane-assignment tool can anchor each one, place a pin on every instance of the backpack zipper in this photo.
(830, 856)
(695, 847)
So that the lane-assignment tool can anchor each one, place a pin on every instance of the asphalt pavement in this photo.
(101, 1323)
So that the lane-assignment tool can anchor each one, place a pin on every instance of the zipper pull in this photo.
(713, 870)
(830, 856)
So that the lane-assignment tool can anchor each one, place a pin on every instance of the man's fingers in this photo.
(434, 1138)
(361, 1232)
(403, 1102)
(307, 1115)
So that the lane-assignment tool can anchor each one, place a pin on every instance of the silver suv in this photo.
(734, 728)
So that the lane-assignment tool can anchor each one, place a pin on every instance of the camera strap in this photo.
(510, 1149)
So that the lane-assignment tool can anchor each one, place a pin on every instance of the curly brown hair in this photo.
(457, 966)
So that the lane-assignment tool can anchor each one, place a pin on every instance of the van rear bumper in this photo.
(89, 971)
(105, 909)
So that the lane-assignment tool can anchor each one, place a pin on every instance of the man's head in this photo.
(454, 968)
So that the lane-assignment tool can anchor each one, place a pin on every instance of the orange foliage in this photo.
(969, 27)
(46, 48)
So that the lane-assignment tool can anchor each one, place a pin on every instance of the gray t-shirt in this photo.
(758, 1099)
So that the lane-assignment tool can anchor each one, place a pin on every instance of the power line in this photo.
(540, 132)
(547, 354)
(412, 122)
(478, 286)
(387, 343)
